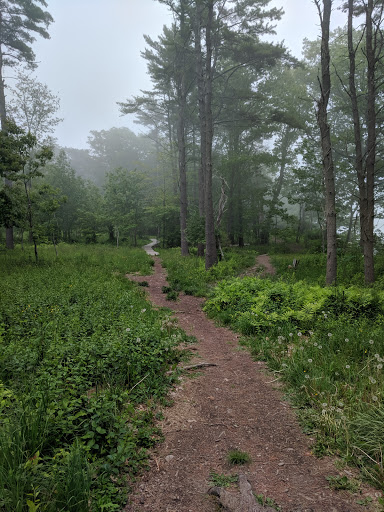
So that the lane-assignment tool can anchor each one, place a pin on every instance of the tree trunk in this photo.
(9, 241)
(202, 116)
(231, 213)
(182, 103)
(366, 202)
(210, 239)
(350, 223)
(368, 238)
(326, 146)
(286, 140)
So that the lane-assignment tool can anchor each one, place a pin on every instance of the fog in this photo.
(93, 57)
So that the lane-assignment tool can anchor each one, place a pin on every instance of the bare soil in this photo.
(236, 404)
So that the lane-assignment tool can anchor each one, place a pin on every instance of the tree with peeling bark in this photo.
(19, 21)
(324, 11)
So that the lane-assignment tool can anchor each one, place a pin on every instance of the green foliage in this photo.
(125, 199)
(266, 502)
(312, 267)
(327, 345)
(80, 349)
(343, 483)
(172, 295)
(253, 305)
(188, 273)
(221, 480)
(195, 229)
(368, 440)
(21, 19)
(18, 149)
(237, 457)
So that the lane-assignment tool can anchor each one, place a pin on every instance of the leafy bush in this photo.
(253, 305)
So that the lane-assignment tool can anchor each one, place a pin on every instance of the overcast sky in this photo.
(92, 59)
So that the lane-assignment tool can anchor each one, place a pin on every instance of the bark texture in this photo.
(326, 146)
(210, 239)
(182, 104)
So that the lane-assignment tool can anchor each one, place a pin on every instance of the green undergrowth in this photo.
(84, 360)
(188, 273)
(311, 268)
(327, 346)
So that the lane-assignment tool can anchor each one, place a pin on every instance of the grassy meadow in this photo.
(83, 362)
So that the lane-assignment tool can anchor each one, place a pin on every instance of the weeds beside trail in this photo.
(326, 345)
(81, 348)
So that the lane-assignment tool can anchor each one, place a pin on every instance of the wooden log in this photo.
(244, 501)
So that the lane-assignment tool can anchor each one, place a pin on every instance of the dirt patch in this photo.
(236, 404)
(262, 268)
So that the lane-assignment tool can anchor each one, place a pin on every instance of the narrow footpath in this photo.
(236, 404)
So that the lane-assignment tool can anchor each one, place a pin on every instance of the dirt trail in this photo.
(236, 404)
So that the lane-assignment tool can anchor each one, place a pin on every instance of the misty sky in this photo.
(93, 57)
